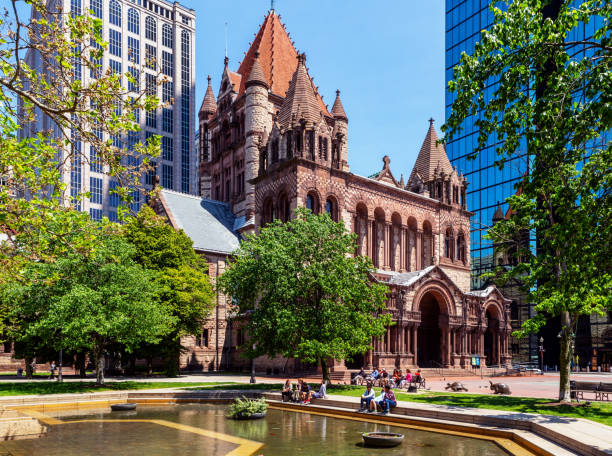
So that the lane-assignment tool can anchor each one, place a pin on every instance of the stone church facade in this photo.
(269, 144)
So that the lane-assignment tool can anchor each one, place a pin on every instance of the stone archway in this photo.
(492, 336)
(429, 333)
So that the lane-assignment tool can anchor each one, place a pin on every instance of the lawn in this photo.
(42, 387)
(597, 411)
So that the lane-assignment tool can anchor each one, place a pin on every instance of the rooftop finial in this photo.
(338, 92)
(431, 121)
(272, 5)
(209, 79)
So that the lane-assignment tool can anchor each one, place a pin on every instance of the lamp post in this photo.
(541, 354)
(252, 380)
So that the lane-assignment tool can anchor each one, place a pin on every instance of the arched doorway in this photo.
(491, 337)
(429, 346)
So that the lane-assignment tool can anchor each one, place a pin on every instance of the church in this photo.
(269, 144)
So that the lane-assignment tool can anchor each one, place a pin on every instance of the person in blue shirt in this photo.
(366, 398)
(375, 374)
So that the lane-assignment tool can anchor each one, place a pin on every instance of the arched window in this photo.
(461, 247)
(167, 36)
(150, 29)
(284, 210)
(332, 209)
(268, 212)
(133, 21)
(312, 203)
(448, 243)
(114, 13)
(96, 7)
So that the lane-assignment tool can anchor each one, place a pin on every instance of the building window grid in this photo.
(96, 8)
(76, 173)
(167, 171)
(114, 42)
(167, 36)
(95, 161)
(134, 50)
(151, 28)
(95, 214)
(167, 120)
(95, 190)
(133, 19)
(95, 70)
(134, 85)
(75, 7)
(167, 144)
(167, 63)
(114, 13)
(113, 196)
(150, 56)
(167, 91)
(185, 115)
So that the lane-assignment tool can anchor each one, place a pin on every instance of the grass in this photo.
(38, 387)
(597, 411)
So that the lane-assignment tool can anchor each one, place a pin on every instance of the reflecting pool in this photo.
(202, 429)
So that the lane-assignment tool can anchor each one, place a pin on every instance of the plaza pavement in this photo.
(536, 386)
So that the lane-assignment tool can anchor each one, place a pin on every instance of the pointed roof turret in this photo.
(277, 57)
(209, 104)
(432, 157)
(498, 215)
(338, 109)
(301, 100)
(257, 76)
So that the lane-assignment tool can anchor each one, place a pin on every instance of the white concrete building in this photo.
(138, 30)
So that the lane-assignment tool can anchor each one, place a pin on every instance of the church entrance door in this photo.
(429, 335)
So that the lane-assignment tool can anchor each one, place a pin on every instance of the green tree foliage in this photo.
(91, 301)
(184, 286)
(305, 293)
(553, 93)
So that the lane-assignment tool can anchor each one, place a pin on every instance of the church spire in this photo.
(257, 76)
(209, 104)
(338, 109)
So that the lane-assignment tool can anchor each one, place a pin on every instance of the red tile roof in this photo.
(277, 56)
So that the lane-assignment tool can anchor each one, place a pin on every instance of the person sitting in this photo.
(418, 378)
(287, 391)
(366, 398)
(305, 393)
(321, 393)
(375, 374)
(374, 403)
(387, 401)
(362, 373)
(406, 380)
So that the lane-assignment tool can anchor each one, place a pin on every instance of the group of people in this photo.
(398, 379)
(384, 401)
(302, 393)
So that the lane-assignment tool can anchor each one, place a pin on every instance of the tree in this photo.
(91, 301)
(184, 286)
(101, 112)
(552, 95)
(304, 291)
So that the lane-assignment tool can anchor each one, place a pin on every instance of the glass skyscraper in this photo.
(488, 186)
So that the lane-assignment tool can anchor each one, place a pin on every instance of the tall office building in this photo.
(139, 32)
(489, 187)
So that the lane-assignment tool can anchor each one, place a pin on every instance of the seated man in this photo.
(375, 374)
(305, 393)
(387, 401)
(321, 393)
(366, 398)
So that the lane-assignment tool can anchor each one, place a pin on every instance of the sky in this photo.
(387, 59)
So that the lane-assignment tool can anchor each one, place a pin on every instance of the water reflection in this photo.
(282, 432)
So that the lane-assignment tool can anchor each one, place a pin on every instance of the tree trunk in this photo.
(325, 371)
(150, 366)
(565, 358)
(28, 367)
(80, 361)
(99, 354)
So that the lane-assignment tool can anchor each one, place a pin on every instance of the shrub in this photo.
(247, 407)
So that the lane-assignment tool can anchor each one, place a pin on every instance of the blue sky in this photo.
(386, 58)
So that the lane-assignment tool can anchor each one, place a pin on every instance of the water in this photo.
(282, 432)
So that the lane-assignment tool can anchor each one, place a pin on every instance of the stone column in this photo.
(448, 346)
(419, 250)
(415, 344)
(499, 351)
(402, 255)
(408, 335)
(387, 246)
(388, 347)
(369, 359)
(370, 239)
